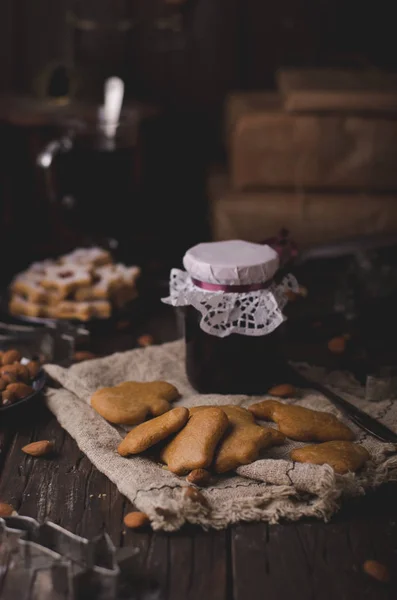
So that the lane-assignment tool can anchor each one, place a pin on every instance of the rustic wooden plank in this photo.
(198, 565)
(318, 560)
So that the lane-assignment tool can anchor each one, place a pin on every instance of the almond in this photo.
(3, 384)
(41, 448)
(6, 510)
(19, 371)
(199, 477)
(136, 520)
(7, 397)
(284, 390)
(195, 496)
(20, 390)
(9, 378)
(11, 356)
(337, 345)
(377, 570)
(33, 368)
(145, 340)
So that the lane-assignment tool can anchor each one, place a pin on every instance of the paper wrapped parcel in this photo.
(270, 489)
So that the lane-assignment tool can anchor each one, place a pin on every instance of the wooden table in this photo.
(296, 561)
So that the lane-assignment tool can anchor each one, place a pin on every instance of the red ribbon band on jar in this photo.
(236, 289)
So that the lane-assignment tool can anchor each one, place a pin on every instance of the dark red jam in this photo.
(235, 364)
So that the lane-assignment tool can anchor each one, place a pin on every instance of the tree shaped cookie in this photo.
(341, 456)
(194, 446)
(243, 440)
(302, 424)
(131, 402)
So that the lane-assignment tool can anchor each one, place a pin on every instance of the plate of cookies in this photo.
(21, 379)
(83, 286)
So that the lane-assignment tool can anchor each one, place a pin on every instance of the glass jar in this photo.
(233, 316)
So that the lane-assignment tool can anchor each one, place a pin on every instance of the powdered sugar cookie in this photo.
(28, 285)
(101, 309)
(20, 306)
(65, 279)
(90, 257)
(68, 309)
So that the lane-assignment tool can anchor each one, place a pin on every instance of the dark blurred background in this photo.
(179, 60)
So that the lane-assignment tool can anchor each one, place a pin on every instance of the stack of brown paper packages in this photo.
(317, 157)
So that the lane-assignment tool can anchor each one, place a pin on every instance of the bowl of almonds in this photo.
(21, 378)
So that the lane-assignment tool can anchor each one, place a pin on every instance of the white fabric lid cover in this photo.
(232, 262)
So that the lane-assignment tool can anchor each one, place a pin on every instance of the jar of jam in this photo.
(233, 312)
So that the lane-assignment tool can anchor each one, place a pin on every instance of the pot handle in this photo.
(47, 155)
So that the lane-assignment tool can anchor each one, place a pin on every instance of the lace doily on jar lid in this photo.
(231, 284)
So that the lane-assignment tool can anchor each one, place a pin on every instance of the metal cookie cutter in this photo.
(47, 562)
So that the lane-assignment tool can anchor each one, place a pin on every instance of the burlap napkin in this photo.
(267, 490)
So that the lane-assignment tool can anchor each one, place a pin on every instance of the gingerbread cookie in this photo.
(131, 402)
(341, 456)
(242, 442)
(152, 432)
(302, 424)
(194, 446)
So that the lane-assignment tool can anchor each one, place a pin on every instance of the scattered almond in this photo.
(200, 477)
(33, 368)
(6, 510)
(10, 357)
(136, 520)
(9, 378)
(17, 370)
(377, 570)
(284, 390)
(145, 340)
(337, 345)
(195, 496)
(81, 355)
(7, 397)
(3, 384)
(20, 390)
(41, 448)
